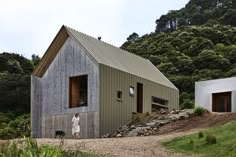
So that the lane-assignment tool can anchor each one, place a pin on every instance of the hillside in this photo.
(201, 144)
(191, 52)
(199, 12)
(15, 73)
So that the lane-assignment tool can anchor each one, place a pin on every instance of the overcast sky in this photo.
(28, 26)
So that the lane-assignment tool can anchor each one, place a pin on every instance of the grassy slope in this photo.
(225, 146)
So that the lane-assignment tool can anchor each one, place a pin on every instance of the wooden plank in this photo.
(36, 106)
(90, 126)
(83, 125)
(159, 105)
(96, 125)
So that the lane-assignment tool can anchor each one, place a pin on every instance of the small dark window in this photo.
(78, 95)
(119, 95)
(131, 91)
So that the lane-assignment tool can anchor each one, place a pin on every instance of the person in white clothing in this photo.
(76, 126)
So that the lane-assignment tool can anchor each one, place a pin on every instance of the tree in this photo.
(168, 68)
(14, 93)
(35, 59)
(210, 59)
(198, 19)
(132, 37)
(198, 12)
(229, 17)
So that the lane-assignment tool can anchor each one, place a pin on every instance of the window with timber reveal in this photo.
(159, 102)
(78, 92)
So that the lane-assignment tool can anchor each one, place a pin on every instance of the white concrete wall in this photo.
(204, 90)
(233, 107)
(202, 96)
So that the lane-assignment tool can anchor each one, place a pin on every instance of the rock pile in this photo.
(149, 124)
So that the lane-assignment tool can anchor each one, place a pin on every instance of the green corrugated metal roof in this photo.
(115, 57)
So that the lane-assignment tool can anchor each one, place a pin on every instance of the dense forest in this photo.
(199, 12)
(197, 42)
(15, 73)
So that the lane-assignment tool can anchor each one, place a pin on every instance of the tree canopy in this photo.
(198, 12)
(15, 73)
(197, 42)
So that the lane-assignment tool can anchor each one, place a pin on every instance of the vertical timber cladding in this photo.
(72, 60)
(36, 106)
(114, 113)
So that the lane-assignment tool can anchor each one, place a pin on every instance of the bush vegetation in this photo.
(200, 135)
(15, 71)
(28, 147)
(210, 139)
(199, 111)
(12, 126)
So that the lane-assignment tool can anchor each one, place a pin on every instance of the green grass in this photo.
(225, 142)
(29, 148)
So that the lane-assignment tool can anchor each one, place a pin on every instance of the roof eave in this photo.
(51, 52)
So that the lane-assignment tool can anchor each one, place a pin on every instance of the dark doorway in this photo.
(221, 102)
(139, 97)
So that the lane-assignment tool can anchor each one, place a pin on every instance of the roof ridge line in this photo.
(106, 43)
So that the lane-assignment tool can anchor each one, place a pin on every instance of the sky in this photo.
(28, 26)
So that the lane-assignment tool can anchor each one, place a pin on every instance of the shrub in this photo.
(200, 135)
(147, 114)
(210, 139)
(16, 127)
(191, 141)
(187, 104)
(199, 111)
(28, 147)
(8, 133)
(50, 151)
(4, 118)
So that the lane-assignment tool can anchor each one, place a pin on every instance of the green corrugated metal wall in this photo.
(114, 113)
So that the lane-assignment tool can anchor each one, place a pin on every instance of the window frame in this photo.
(71, 79)
(131, 87)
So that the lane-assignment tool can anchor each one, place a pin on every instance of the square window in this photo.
(131, 90)
(119, 95)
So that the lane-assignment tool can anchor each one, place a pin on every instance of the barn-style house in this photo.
(103, 83)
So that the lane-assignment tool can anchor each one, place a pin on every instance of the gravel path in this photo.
(123, 147)
(147, 146)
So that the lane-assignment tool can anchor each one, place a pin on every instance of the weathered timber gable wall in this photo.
(72, 60)
(36, 106)
(114, 113)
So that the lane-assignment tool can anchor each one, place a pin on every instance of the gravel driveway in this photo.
(123, 147)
